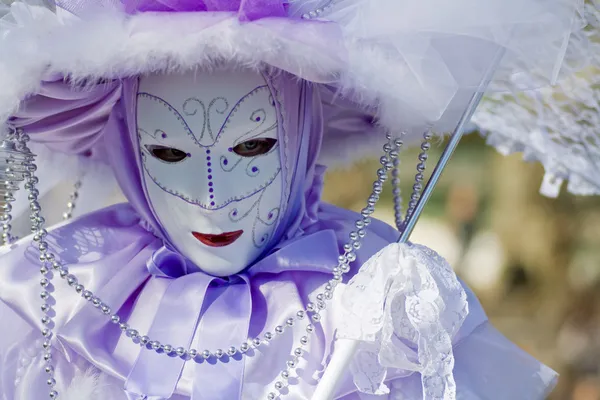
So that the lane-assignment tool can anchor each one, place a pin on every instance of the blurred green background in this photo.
(534, 262)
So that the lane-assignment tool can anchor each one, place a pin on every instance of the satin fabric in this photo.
(121, 255)
(247, 10)
(69, 118)
(113, 256)
(301, 140)
(188, 307)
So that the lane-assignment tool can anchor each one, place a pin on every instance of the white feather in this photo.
(399, 54)
(417, 63)
(91, 384)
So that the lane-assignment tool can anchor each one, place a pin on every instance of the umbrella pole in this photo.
(411, 220)
(346, 348)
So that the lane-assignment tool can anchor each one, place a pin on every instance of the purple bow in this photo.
(186, 290)
(183, 312)
(248, 10)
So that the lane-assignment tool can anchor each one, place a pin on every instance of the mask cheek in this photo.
(257, 216)
(268, 213)
(175, 215)
(263, 167)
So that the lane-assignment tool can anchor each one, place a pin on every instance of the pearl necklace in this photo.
(20, 166)
(318, 12)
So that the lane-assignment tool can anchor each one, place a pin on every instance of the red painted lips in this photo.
(221, 240)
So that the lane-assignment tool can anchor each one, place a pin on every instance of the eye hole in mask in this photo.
(166, 154)
(254, 147)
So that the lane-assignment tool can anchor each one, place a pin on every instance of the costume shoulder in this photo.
(95, 247)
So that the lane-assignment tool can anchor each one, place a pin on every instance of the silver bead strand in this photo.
(49, 263)
(6, 218)
(312, 313)
(12, 169)
(318, 12)
(37, 228)
(73, 196)
(419, 177)
(344, 261)
(396, 145)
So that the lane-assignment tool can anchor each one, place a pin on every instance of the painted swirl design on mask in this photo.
(244, 121)
(212, 162)
(191, 107)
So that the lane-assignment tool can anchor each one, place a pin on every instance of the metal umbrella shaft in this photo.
(345, 348)
(413, 217)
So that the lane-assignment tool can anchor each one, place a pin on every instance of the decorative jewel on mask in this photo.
(258, 115)
(252, 170)
(271, 217)
(227, 166)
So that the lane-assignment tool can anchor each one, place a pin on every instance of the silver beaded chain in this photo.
(73, 196)
(391, 150)
(417, 187)
(19, 167)
(318, 12)
(9, 185)
(10, 178)
(396, 191)
(419, 177)
(50, 267)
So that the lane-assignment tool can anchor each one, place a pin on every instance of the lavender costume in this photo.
(122, 255)
(119, 254)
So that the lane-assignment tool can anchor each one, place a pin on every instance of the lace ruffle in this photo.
(557, 126)
(405, 306)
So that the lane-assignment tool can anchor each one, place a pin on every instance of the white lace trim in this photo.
(556, 126)
(405, 306)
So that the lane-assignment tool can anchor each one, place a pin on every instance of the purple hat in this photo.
(410, 62)
(393, 65)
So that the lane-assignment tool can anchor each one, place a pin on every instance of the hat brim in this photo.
(409, 60)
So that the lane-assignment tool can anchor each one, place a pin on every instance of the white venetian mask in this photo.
(211, 164)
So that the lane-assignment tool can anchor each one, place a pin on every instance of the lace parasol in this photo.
(557, 126)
